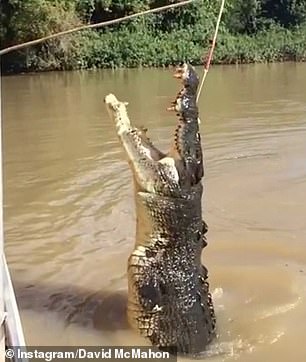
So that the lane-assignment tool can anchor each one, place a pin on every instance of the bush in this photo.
(251, 31)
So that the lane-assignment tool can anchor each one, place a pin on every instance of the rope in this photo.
(213, 44)
(93, 26)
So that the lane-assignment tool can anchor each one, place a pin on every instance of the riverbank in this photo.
(253, 34)
(129, 50)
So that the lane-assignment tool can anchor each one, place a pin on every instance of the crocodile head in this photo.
(154, 170)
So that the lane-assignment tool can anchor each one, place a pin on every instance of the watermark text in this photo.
(52, 353)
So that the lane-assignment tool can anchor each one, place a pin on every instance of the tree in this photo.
(285, 12)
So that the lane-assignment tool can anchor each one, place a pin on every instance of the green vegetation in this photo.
(251, 31)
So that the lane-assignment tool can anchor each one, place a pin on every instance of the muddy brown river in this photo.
(69, 212)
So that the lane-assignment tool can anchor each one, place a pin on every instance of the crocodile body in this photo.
(168, 294)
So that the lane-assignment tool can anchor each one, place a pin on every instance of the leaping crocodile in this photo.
(168, 294)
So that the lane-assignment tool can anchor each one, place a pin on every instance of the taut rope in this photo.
(213, 44)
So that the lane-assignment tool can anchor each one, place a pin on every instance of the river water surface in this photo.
(69, 212)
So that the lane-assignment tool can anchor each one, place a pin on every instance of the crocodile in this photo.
(169, 301)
